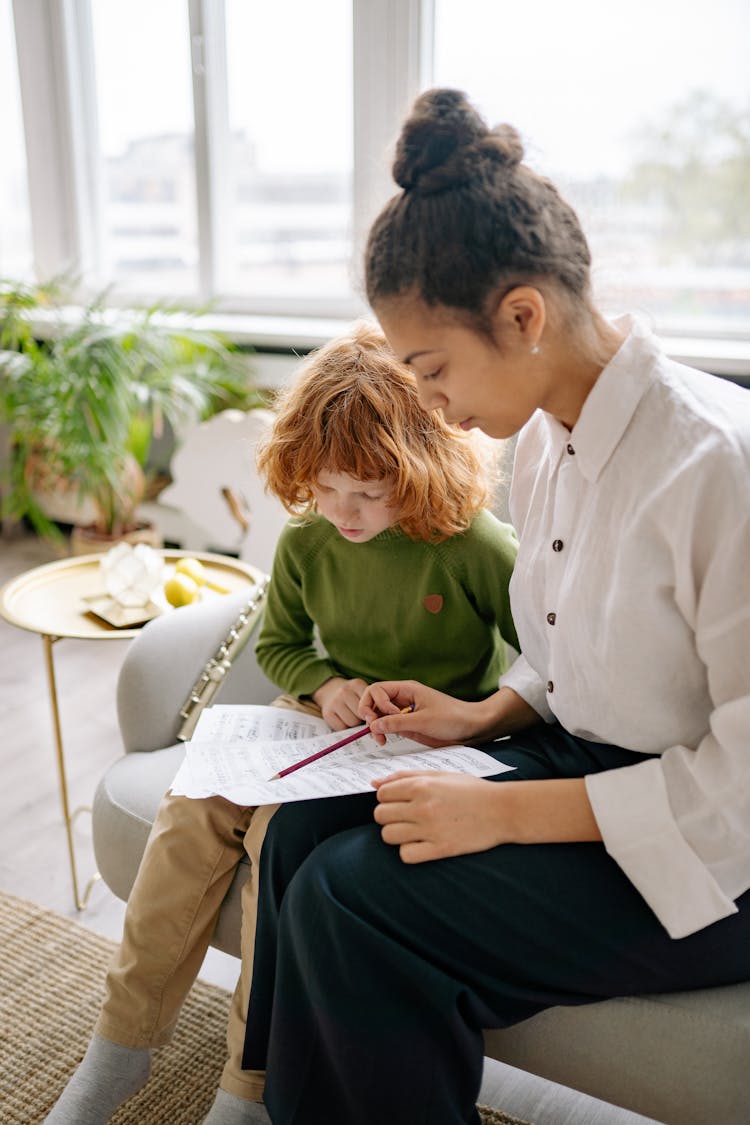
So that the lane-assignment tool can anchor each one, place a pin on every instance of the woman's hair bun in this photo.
(445, 142)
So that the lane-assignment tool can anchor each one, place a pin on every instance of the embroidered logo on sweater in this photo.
(433, 603)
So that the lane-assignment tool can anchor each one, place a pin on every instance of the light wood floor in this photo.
(33, 850)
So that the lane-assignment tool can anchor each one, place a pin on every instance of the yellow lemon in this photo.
(181, 589)
(193, 568)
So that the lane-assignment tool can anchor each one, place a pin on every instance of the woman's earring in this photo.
(535, 350)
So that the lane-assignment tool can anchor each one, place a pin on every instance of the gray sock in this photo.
(108, 1075)
(228, 1109)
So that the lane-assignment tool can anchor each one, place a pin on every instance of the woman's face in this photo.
(462, 373)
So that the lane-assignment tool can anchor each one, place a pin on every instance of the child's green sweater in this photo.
(391, 608)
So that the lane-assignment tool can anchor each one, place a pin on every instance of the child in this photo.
(388, 555)
(392, 559)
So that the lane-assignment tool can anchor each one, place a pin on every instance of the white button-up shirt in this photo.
(631, 597)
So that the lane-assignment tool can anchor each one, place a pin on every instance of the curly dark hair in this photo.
(471, 220)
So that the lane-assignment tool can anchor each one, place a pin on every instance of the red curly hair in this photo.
(353, 409)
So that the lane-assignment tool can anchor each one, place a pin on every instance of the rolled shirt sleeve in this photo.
(679, 825)
(632, 809)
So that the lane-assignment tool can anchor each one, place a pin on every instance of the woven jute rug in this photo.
(51, 979)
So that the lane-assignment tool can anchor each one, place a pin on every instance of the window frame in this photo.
(392, 60)
(55, 58)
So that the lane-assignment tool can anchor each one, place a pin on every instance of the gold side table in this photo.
(53, 601)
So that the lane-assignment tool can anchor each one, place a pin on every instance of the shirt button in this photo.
(551, 618)
(557, 545)
(550, 686)
(570, 449)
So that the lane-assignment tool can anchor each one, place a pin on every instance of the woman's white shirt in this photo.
(631, 597)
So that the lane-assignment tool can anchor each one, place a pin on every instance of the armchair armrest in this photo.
(163, 663)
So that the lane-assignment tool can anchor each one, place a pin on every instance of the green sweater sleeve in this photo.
(486, 559)
(286, 650)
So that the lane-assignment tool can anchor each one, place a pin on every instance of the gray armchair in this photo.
(683, 1059)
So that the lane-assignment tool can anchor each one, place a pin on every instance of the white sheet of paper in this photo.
(235, 750)
(252, 722)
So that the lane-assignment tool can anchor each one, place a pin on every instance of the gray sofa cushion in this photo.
(681, 1057)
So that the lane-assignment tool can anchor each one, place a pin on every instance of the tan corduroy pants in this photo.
(187, 868)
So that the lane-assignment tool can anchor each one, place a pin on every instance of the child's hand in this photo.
(338, 699)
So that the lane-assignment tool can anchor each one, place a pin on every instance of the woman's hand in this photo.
(436, 719)
(338, 699)
(434, 815)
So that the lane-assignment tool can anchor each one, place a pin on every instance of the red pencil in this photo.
(329, 749)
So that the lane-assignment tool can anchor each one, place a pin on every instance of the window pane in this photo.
(15, 223)
(642, 116)
(145, 112)
(290, 113)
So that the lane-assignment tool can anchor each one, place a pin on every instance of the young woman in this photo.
(384, 948)
(394, 561)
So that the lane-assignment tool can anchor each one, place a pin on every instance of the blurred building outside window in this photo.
(148, 239)
(641, 115)
(291, 162)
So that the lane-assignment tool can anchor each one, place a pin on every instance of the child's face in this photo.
(358, 509)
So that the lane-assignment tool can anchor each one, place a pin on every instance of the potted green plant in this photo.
(83, 406)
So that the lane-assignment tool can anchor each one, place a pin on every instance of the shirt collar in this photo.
(611, 402)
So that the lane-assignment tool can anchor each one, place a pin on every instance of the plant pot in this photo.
(58, 498)
(62, 500)
(89, 541)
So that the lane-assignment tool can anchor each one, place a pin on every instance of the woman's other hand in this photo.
(430, 815)
(434, 815)
(338, 699)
